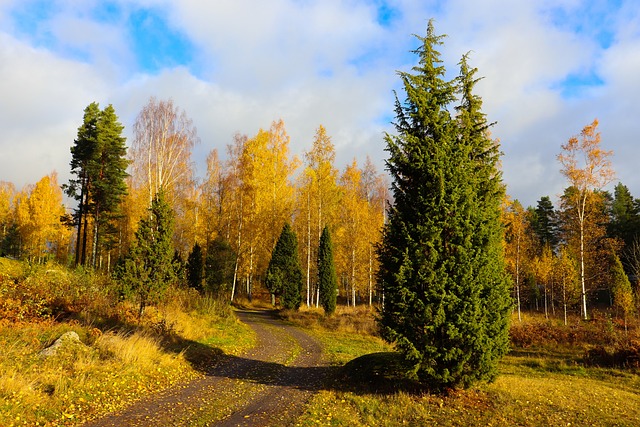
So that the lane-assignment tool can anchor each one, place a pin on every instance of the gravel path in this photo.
(267, 386)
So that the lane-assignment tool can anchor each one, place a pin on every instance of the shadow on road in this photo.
(213, 362)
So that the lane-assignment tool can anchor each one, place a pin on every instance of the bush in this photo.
(626, 356)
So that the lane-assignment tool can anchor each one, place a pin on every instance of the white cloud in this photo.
(41, 94)
(324, 62)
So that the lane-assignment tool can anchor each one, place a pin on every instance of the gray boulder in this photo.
(67, 340)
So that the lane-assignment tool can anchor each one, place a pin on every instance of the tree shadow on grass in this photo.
(213, 362)
(378, 373)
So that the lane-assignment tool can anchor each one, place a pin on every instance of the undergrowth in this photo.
(120, 357)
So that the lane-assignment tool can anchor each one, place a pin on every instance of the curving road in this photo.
(267, 386)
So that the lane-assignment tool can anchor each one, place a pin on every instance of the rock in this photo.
(66, 340)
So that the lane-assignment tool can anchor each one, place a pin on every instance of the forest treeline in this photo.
(584, 252)
(230, 220)
(562, 259)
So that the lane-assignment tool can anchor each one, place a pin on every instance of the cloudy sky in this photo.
(549, 68)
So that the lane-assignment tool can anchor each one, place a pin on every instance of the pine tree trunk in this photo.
(79, 232)
(94, 245)
(84, 238)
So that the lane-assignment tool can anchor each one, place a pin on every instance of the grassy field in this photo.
(555, 375)
(120, 357)
(543, 381)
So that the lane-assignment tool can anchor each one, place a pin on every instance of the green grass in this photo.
(545, 385)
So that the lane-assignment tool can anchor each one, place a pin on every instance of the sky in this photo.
(548, 69)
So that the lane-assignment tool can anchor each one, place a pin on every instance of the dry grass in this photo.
(82, 381)
(360, 319)
(121, 357)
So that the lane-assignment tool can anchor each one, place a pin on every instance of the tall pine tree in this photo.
(99, 164)
(446, 293)
(83, 152)
(545, 223)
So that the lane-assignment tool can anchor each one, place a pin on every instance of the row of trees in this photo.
(234, 215)
(584, 252)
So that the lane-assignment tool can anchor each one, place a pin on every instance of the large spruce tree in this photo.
(446, 293)
(327, 277)
(284, 275)
(148, 269)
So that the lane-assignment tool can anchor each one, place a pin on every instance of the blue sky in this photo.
(549, 68)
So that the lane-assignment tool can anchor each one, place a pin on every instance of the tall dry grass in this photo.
(121, 356)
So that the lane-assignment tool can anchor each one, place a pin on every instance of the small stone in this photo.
(67, 339)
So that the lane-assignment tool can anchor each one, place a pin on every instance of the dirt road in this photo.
(268, 386)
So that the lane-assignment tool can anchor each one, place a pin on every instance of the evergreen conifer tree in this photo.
(219, 264)
(99, 163)
(446, 293)
(284, 275)
(546, 223)
(149, 269)
(625, 221)
(195, 268)
(327, 278)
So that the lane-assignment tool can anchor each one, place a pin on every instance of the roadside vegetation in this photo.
(119, 358)
(584, 373)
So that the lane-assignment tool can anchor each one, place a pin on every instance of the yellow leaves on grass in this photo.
(73, 387)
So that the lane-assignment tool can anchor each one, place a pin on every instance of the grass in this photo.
(347, 334)
(120, 358)
(543, 382)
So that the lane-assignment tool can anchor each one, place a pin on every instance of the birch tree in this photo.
(319, 195)
(517, 246)
(164, 137)
(588, 168)
(375, 189)
(38, 211)
(352, 240)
